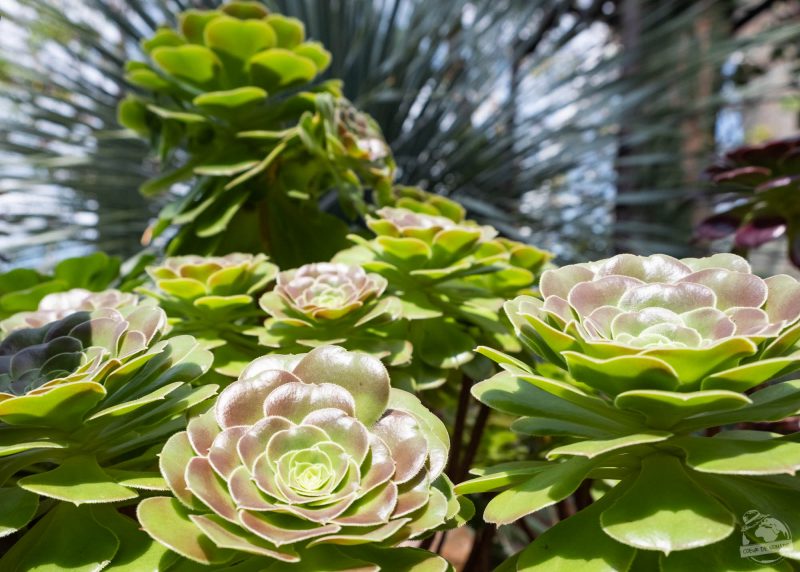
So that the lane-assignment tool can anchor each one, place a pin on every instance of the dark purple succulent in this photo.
(756, 190)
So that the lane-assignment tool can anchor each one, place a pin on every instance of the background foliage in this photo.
(547, 119)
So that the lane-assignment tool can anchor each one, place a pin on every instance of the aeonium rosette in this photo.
(214, 299)
(323, 303)
(451, 276)
(59, 305)
(656, 322)
(305, 455)
(658, 350)
(83, 400)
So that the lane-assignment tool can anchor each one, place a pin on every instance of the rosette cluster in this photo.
(83, 399)
(214, 299)
(305, 455)
(59, 305)
(451, 276)
(324, 303)
(230, 98)
(655, 350)
(755, 190)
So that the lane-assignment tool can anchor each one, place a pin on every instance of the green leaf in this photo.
(578, 543)
(168, 522)
(315, 52)
(17, 508)
(618, 374)
(239, 38)
(441, 344)
(500, 476)
(694, 364)
(61, 406)
(290, 31)
(747, 376)
(507, 362)
(162, 37)
(231, 98)
(278, 69)
(723, 555)
(404, 559)
(137, 551)
(761, 497)
(77, 480)
(180, 116)
(183, 288)
(740, 456)
(144, 480)
(593, 448)
(66, 538)
(193, 23)
(663, 409)
(132, 113)
(133, 404)
(664, 509)
(507, 393)
(195, 63)
(772, 403)
(546, 488)
(409, 252)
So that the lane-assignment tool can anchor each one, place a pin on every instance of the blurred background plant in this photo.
(562, 123)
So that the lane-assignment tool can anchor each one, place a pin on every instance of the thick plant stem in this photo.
(474, 443)
(479, 556)
(454, 465)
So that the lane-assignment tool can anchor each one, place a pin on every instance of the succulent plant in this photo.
(82, 402)
(661, 355)
(22, 289)
(306, 458)
(214, 299)
(325, 303)
(451, 276)
(756, 188)
(59, 305)
(230, 114)
(661, 323)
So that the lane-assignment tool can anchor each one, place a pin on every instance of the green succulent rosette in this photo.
(83, 402)
(214, 299)
(451, 276)
(59, 305)
(671, 363)
(306, 459)
(659, 323)
(227, 99)
(22, 289)
(327, 303)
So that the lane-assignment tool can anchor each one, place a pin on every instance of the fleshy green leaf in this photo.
(239, 38)
(546, 488)
(664, 509)
(62, 406)
(191, 62)
(577, 543)
(740, 456)
(66, 538)
(167, 521)
(17, 508)
(230, 99)
(77, 480)
(593, 448)
(500, 476)
(663, 409)
(278, 69)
